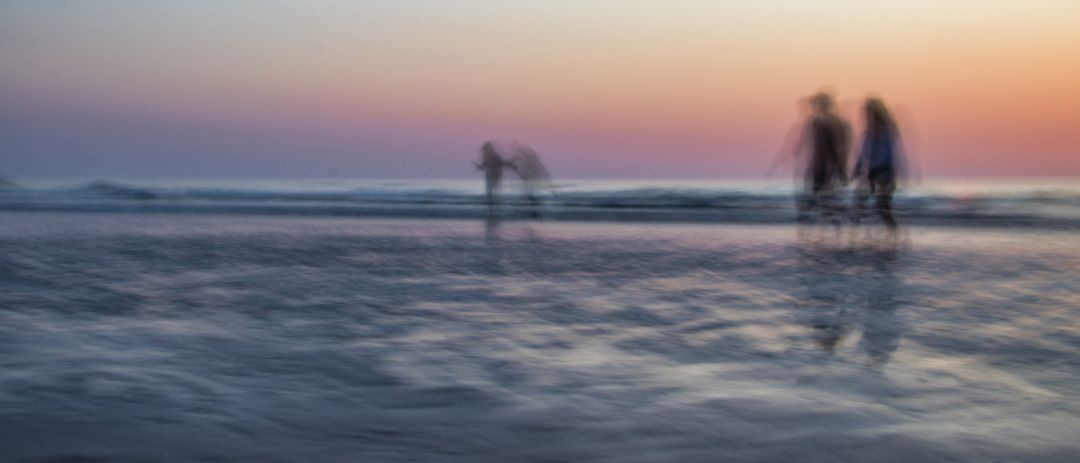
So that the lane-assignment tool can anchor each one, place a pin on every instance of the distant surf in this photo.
(1035, 205)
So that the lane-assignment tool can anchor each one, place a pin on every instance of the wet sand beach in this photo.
(161, 337)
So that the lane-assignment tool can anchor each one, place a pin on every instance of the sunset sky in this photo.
(409, 88)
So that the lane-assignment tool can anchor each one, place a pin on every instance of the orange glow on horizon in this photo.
(985, 82)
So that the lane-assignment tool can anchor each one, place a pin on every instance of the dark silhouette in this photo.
(525, 163)
(819, 146)
(492, 163)
(880, 164)
(828, 136)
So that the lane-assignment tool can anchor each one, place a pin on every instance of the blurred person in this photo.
(820, 149)
(534, 175)
(492, 163)
(880, 164)
(829, 139)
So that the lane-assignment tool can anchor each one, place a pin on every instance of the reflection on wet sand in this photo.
(491, 229)
(393, 340)
(882, 329)
(849, 288)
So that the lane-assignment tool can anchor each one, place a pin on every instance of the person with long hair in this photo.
(880, 163)
(534, 175)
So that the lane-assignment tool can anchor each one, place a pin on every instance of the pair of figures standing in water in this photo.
(823, 145)
(525, 162)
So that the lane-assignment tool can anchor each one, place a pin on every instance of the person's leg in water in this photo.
(813, 202)
(827, 187)
(827, 199)
(533, 200)
(805, 204)
(806, 200)
(884, 184)
(862, 192)
(491, 188)
(834, 207)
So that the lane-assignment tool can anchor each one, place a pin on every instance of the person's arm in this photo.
(512, 165)
(906, 145)
(842, 135)
(791, 148)
(909, 162)
(860, 158)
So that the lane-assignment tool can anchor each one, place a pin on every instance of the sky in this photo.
(601, 88)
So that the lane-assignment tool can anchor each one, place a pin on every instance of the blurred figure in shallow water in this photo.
(829, 138)
(880, 164)
(534, 176)
(492, 163)
(820, 148)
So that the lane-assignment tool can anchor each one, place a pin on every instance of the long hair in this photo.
(881, 140)
(878, 118)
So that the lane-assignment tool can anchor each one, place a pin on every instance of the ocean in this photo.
(616, 321)
(1042, 203)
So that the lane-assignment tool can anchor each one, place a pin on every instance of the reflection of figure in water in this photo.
(880, 164)
(492, 163)
(881, 327)
(829, 137)
(534, 175)
(829, 313)
(844, 288)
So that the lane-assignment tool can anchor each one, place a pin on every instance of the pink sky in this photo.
(602, 89)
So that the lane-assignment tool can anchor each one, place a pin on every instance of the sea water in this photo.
(1034, 202)
(261, 323)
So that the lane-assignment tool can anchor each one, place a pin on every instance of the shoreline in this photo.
(719, 216)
